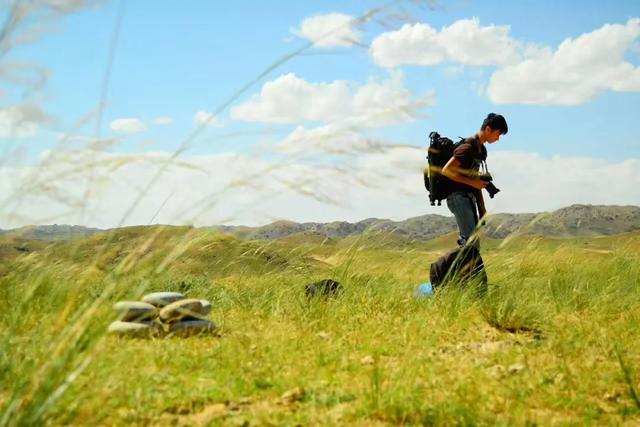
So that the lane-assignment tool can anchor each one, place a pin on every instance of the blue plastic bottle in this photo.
(424, 290)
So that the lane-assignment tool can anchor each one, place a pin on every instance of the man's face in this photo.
(494, 135)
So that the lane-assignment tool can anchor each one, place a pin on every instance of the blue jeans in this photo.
(463, 206)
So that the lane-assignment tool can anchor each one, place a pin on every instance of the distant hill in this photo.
(185, 250)
(180, 250)
(52, 232)
(423, 228)
(571, 221)
(574, 220)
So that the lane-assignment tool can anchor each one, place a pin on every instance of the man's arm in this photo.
(453, 169)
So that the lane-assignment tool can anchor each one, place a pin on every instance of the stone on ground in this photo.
(134, 329)
(161, 299)
(134, 310)
(206, 307)
(182, 309)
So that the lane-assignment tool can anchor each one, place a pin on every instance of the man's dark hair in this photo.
(495, 122)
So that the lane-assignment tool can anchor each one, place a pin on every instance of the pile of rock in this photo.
(162, 313)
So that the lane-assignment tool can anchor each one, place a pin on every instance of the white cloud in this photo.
(205, 118)
(21, 121)
(128, 125)
(329, 139)
(545, 183)
(574, 73)
(207, 190)
(412, 44)
(332, 29)
(290, 99)
(381, 103)
(163, 120)
(464, 41)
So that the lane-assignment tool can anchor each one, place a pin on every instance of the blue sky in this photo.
(174, 59)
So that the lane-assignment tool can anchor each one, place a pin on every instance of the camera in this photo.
(491, 189)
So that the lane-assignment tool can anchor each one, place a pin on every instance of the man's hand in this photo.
(479, 184)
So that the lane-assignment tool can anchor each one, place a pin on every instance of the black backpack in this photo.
(438, 154)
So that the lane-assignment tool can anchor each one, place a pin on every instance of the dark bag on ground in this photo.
(461, 265)
(439, 152)
(327, 288)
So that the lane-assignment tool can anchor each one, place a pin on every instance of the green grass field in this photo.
(555, 342)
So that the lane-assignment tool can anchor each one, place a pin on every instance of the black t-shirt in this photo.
(471, 153)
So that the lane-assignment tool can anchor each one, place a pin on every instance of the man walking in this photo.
(463, 169)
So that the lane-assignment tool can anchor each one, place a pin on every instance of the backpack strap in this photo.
(483, 166)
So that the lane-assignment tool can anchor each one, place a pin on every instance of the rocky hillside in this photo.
(588, 220)
(575, 220)
(424, 228)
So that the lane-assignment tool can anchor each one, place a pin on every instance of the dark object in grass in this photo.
(461, 265)
(326, 288)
